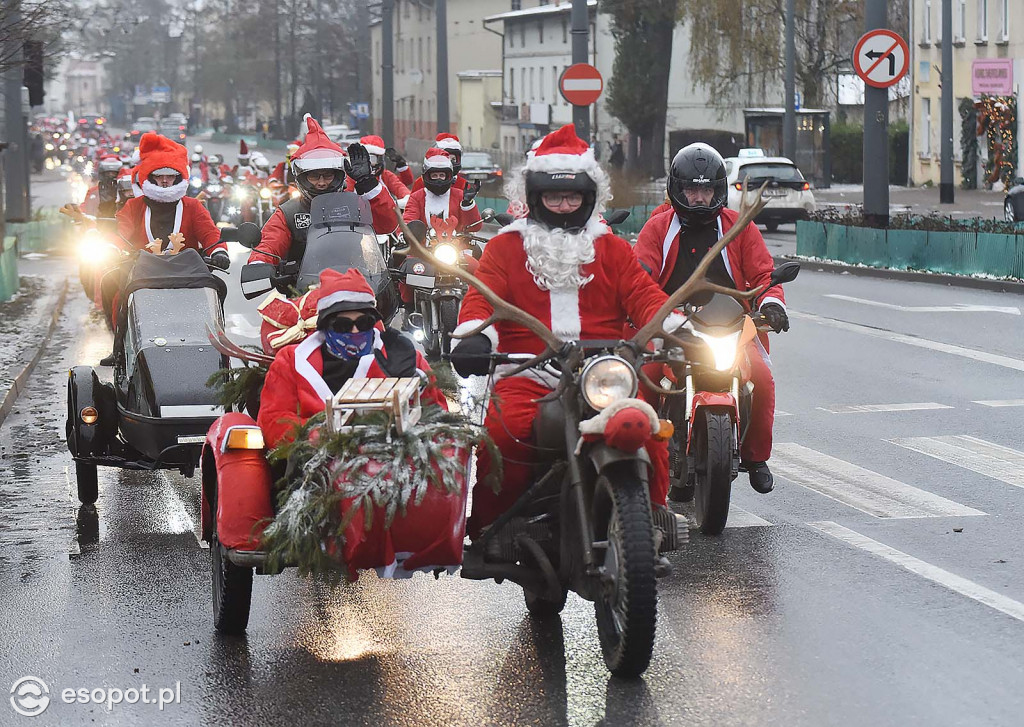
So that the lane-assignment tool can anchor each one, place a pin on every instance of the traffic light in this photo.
(33, 76)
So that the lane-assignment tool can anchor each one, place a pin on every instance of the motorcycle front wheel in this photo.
(626, 603)
(448, 309)
(713, 454)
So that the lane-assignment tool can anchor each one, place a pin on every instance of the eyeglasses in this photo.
(315, 176)
(342, 324)
(555, 198)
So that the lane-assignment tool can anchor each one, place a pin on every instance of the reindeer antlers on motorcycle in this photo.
(223, 344)
(751, 205)
(503, 310)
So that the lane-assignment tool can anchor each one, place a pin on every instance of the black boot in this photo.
(760, 476)
(108, 360)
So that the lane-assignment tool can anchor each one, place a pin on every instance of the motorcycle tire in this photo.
(449, 315)
(87, 480)
(232, 587)
(713, 454)
(626, 600)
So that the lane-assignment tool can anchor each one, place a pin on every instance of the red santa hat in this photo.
(373, 144)
(317, 151)
(563, 151)
(343, 291)
(448, 142)
(243, 148)
(437, 159)
(110, 163)
(160, 155)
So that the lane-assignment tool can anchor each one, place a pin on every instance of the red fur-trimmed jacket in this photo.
(746, 258)
(416, 209)
(192, 220)
(295, 390)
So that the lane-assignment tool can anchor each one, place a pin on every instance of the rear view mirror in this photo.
(503, 218)
(785, 273)
(249, 235)
(419, 229)
(487, 214)
(616, 216)
(255, 279)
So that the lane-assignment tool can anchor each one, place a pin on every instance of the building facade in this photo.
(988, 65)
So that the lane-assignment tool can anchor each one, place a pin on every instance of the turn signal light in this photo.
(89, 415)
(244, 438)
(665, 431)
(738, 186)
(807, 186)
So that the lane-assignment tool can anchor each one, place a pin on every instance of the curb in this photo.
(21, 379)
(962, 281)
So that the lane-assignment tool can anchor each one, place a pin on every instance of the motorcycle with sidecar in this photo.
(155, 412)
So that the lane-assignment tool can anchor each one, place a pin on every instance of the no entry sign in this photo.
(881, 58)
(581, 84)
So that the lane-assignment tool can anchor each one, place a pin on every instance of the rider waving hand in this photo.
(438, 197)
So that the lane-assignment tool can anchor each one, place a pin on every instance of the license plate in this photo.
(776, 192)
(420, 281)
(478, 176)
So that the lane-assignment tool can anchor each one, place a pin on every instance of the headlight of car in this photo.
(446, 253)
(723, 348)
(607, 379)
(265, 193)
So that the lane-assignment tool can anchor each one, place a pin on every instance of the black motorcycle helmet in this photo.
(317, 162)
(697, 165)
(537, 183)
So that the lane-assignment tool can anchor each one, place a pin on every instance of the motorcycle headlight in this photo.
(723, 348)
(213, 188)
(296, 194)
(446, 253)
(196, 182)
(607, 379)
(240, 194)
(63, 147)
(92, 249)
(265, 193)
(49, 147)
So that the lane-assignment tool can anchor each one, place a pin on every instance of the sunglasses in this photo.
(363, 323)
(320, 176)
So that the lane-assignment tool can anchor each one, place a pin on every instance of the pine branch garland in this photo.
(372, 466)
(235, 385)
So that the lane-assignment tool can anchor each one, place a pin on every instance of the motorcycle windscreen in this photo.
(340, 209)
(341, 250)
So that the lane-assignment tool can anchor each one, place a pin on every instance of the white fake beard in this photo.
(556, 258)
(165, 194)
(436, 205)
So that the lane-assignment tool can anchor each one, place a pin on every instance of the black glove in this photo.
(220, 259)
(359, 168)
(397, 159)
(775, 316)
(470, 356)
(472, 189)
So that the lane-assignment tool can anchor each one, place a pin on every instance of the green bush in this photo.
(924, 223)
(847, 144)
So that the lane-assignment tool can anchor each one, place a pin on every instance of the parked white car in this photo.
(789, 193)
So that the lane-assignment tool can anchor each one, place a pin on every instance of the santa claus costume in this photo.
(424, 204)
(582, 284)
(162, 211)
(391, 181)
(749, 264)
(287, 227)
(451, 144)
(303, 376)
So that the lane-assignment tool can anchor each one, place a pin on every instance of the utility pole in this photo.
(16, 161)
(443, 115)
(580, 20)
(946, 102)
(387, 71)
(789, 120)
(876, 133)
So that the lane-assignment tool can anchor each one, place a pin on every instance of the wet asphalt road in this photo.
(824, 604)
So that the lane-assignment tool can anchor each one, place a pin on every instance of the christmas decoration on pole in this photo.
(997, 119)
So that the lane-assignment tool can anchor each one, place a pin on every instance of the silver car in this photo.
(790, 194)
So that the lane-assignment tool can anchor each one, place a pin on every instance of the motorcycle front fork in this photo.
(742, 395)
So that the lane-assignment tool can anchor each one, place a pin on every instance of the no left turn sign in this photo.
(881, 58)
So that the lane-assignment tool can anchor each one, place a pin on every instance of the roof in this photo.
(780, 110)
(563, 6)
(744, 161)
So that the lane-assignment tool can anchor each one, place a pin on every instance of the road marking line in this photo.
(992, 460)
(740, 518)
(860, 488)
(862, 408)
(933, 573)
(1000, 402)
(780, 413)
(178, 519)
(983, 356)
(957, 308)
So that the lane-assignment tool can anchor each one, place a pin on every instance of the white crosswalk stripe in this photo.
(1000, 402)
(740, 518)
(867, 408)
(867, 491)
(977, 455)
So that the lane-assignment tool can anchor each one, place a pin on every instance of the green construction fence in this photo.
(8, 267)
(955, 253)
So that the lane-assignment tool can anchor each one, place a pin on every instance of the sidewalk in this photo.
(919, 200)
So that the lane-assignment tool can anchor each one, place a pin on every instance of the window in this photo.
(924, 141)
(405, 8)
(517, 4)
(532, 97)
(540, 32)
(522, 83)
(565, 29)
(1004, 20)
(542, 90)
(420, 116)
(960, 21)
(522, 35)
(554, 85)
(982, 19)
(430, 54)
(419, 52)
(926, 22)
(400, 61)
(511, 40)
(512, 85)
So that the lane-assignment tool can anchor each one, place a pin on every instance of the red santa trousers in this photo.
(509, 423)
(757, 444)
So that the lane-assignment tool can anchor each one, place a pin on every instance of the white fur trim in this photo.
(584, 162)
(673, 321)
(597, 424)
(468, 205)
(670, 237)
(307, 116)
(401, 169)
(438, 162)
(177, 223)
(305, 369)
(372, 194)
(565, 313)
(436, 204)
(491, 332)
(366, 361)
(772, 300)
(167, 170)
(448, 145)
(165, 194)
(344, 296)
(374, 149)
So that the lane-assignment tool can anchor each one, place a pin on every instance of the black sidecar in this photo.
(157, 411)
